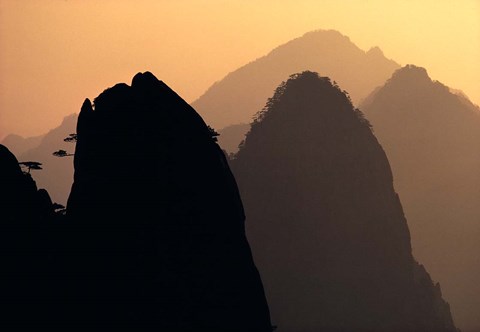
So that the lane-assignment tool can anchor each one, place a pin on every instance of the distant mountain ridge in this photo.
(57, 173)
(18, 144)
(236, 98)
(243, 92)
(432, 139)
(231, 136)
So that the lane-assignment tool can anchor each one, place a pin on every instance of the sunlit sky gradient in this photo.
(55, 53)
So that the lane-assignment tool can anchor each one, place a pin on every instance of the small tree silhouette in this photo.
(213, 133)
(72, 138)
(62, 153)
(35, 165)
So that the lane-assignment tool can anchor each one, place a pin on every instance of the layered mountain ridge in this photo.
(243, 92)
(326, 226)
(432, 139)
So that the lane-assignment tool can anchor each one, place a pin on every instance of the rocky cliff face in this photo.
(325, 223)
(432, 139)
(154, 198)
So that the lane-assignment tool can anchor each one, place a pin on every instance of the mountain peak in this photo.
(411, 72)
(375, 51)
(303, 88)
(321, 33)
(144, 79)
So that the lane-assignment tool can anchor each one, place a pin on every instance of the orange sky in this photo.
(54, 53)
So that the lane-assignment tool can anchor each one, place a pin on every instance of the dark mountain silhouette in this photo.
(325, 224)
(242, 93)
(155, 203)
(28, 229)
(432, 139)
(18, 144)
(20, 199)
(231, 136)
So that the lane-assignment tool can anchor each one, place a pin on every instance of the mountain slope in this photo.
(28, 239)
(432, 139)
(242, 93)
(325, 224)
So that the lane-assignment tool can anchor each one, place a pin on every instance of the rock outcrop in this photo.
(326, 226)
(154, 199)
(432, 139)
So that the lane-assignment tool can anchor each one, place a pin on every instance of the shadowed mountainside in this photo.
(21, 202)
(28, 239)
(432, 139)
(151, 180)
(242, 93)
(325, 224)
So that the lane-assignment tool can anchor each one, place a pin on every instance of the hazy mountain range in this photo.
(237, 97)
(18, 144)
(326, 227)
(57, 173)
(243, 92)
(432, 139)
(429, 132)
(154, 235)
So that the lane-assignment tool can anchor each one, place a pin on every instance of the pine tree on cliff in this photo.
(326, 227)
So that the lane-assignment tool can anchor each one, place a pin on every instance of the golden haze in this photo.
(55, 53)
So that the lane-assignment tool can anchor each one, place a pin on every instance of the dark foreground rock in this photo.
(156, 206)
(28, 246)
